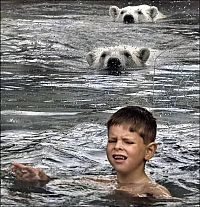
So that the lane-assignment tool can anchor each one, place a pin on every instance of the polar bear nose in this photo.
(128, 18)
(113, 63)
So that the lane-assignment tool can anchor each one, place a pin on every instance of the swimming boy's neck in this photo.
(124, 179)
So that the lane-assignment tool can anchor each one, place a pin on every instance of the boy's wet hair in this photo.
(138, 119)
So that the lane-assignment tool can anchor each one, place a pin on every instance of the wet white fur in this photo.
(137, 56)
(141, 13)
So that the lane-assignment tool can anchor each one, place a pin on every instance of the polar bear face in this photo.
(135, 14)
(117, 58)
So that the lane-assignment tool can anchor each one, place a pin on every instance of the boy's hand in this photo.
(28, 173)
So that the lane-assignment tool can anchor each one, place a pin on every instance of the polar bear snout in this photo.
(128, 18)
(114, 63)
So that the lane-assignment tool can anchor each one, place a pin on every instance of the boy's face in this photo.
(125, 150)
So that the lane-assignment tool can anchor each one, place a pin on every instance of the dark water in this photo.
(54, 107)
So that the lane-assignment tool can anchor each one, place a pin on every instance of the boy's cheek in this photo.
(108, 147)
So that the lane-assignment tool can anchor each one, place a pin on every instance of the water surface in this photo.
(54, 107)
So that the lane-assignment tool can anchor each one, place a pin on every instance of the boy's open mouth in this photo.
(119, 157)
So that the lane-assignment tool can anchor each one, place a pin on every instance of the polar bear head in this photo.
(135, 14)
(117, 58)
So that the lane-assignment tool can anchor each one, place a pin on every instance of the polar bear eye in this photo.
(122, 12)
(139, 12)
(103, 55)
(127, 54)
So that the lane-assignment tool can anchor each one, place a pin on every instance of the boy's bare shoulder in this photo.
(157, 190)
(146, 189)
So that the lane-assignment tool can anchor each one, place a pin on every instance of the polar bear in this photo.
(135, 14)
(117, 58)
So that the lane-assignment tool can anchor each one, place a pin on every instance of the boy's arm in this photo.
(29, 174)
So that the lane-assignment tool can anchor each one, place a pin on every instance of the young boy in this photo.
(131, 136)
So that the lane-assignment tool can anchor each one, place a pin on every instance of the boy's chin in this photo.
(120, 170)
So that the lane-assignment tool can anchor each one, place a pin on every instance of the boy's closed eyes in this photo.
(125, 140)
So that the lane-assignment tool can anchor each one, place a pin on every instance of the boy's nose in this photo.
(118, 145)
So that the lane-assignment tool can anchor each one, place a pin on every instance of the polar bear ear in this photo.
(114, 11)
(143, 54)
(90, 58)
(153, 12)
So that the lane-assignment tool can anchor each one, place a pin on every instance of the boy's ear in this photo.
(143, 54)
(114, 11)
(150, 150)
(90, 58)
